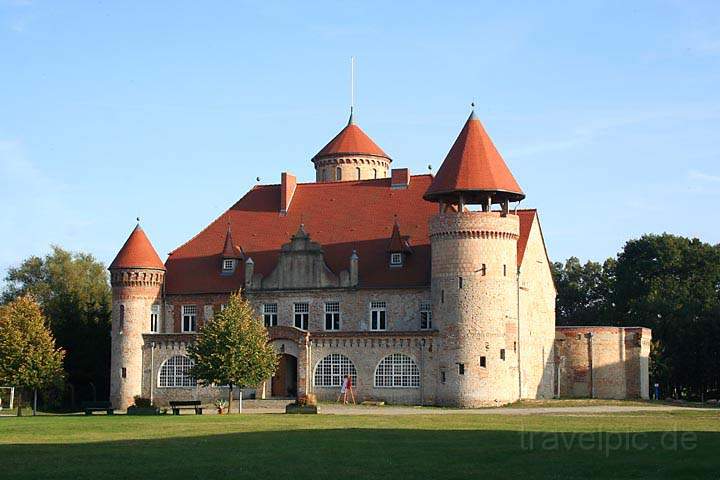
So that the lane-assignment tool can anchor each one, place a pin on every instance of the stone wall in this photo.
(602, 362)
(369, 166)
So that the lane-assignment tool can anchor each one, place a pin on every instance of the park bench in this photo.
(90, 407)
(186, 404)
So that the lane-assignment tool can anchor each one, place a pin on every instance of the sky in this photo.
(608, 113)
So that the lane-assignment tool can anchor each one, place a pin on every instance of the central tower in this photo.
(474, 273)
(351, 155)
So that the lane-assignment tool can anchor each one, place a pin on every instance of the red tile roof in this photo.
(398, 243)
(473, 164)
(341, 216)
(351, 140)
(137, 252)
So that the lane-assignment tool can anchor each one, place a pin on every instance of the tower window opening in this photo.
(442, 296)
(483, 269)
(505, 270)
(123, 372)
(515, 347)
(425, 316)
(460, 282)
(461, 368)
(502, 354)
(338, 173)
(442, 376)
(374, 172)
(357, 170)
(121, 323)
(483, 362)
(154, 318)
(302, 315)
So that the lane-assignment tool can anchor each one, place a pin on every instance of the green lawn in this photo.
(674, 445)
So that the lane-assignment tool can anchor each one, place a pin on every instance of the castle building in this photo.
(425, 290)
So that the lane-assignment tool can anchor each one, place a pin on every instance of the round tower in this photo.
(474, 273)
(137, 276)
(351, 155)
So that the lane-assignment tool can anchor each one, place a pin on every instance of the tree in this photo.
(584, 292)
(28, 357)
(73, 292)
(233, 348)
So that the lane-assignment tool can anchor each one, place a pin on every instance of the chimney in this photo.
(249, 272)
(288, 183)
(400, 178)
(354, 269)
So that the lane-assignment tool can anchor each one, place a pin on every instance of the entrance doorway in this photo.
(284, 383)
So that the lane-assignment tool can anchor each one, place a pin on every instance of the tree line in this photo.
(668, 283)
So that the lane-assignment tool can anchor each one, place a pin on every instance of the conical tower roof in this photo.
(229, 249)
(473, 167)
(137, 252)
(351, 140)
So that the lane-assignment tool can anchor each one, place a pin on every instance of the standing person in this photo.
(343, 389)
(349, 389)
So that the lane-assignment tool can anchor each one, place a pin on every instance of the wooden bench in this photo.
(186, 404)
(90, 407)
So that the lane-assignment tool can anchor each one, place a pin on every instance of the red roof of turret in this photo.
(229, 249)
(351, 140)
(474, 165)
(137, 252)
(398, 243)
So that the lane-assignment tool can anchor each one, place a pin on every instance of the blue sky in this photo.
(608, 113)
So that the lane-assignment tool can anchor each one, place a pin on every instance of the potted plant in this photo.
(220, 405)
(142, 406)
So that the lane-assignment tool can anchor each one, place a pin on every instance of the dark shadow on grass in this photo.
(375, 454)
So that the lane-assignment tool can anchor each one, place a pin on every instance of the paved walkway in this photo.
(273, 406)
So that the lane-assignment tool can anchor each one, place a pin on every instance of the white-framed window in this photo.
(332, 315)
(396, 259)
(302, 314)
(378, 319)
(189, 318)
(228, 264)
(155, 318)
(331, 370)
(270, 314)
(397, 371)
(425, 316)
(175, 372)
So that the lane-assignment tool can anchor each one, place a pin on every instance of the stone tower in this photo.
(351, 155)
(474, 282)
(137, 276)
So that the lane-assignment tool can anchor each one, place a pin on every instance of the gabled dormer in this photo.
(398, 247)
(231, 255)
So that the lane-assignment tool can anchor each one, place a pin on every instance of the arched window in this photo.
(175, 372)
(374, 172)
(338, 173)
(330, 371)
(357, 169)
(397, 370)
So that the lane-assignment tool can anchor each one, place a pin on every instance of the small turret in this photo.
(137, 275)
(351, 155)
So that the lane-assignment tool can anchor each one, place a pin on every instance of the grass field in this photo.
(678, 444)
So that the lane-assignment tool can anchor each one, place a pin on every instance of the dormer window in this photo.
(228, 265)
(396, 259)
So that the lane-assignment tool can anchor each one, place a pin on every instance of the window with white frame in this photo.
(425, 316)
(332, 315)
(175, 372)
(397, 371)
(155, 318)
(396, 259)
(270, 314)
(228, 264)
(302, 314)
(378, 319)
(189, 318)
(331, 370)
